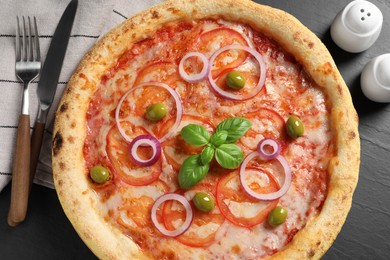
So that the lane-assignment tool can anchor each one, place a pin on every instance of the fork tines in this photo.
(27, 54)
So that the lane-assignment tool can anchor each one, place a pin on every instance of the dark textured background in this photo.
(47, 234)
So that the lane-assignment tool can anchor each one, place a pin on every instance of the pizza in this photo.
(207, 130)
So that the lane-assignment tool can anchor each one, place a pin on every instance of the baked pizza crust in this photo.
(70, 126)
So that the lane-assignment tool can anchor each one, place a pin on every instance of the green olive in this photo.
(203, 201)
(156, 111)
(277, 216)
(294, 127)
(99, 174)
(235, 80)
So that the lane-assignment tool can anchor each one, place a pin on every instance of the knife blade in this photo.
(48, 82)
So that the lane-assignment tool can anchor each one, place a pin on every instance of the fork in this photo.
(27, 67)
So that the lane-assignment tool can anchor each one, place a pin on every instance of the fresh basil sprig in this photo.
(207, 155)
(219, 145)
(195, 134)
(192, 172)
(235, 128)
(219, 138)
(229, 156)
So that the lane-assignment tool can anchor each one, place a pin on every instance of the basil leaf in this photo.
(192, 172)
(236, 127)
(195, 134)
(206, 155)
(219, 138)
(229, 156)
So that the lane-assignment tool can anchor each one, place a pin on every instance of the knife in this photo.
(47, 85)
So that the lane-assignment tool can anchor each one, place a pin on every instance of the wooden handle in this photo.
(20, 173)
(36, 143)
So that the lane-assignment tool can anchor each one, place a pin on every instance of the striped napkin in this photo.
(93, 19)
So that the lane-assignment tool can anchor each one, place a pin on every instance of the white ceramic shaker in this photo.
(357, 26)
(375, 79)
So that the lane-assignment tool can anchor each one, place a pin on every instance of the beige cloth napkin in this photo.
(93, 19)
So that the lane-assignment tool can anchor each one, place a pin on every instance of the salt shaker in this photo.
(357, 26)
(375, 79)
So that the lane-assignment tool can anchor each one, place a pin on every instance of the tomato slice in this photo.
(118, 153)
(237, 206)
(165, 72)
(161, 71)
(134, 107)
(136, 102)
(267, 123)
(204, 226)
(134, 214)
(213, 40)
(252, 78)
(175, 148)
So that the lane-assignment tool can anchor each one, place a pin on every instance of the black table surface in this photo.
(47, 233)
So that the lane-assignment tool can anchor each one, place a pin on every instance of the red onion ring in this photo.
(184, 226)
(175, 95)
(145, 140)
(259, 85)
(267, 196)
(193, 78)
(264, 153)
